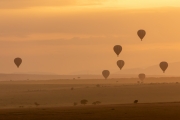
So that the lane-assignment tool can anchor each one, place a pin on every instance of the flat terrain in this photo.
(17, 94)
(55, 98)
(152, 111)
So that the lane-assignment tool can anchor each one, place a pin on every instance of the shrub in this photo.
(84, 101)
(96, 103)
(135, 101)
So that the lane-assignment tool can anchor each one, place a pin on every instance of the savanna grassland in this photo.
(54, 99)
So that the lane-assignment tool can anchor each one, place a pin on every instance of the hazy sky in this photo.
(68, 36)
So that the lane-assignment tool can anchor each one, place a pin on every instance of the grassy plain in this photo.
(157, 100)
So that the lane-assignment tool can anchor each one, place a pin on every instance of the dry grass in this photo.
(56, 100)
(150, 111)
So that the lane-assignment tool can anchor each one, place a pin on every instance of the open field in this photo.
(152, 111)
(14, 94)
(55, 99)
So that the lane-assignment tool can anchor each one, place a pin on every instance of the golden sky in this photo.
(66, 36)
(12, 4)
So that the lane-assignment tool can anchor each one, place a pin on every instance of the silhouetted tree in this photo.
(97, 85)
(72, 88)
(135, 101)
(96, 103)
(84, 101)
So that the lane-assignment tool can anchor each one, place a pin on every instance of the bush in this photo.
(96, 103)
(136, 101)
(84, 101)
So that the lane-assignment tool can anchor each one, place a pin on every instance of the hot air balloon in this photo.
(18, 61)
(142, 76)
(141, 34)
(120, 64)
(163, 65)
(105, 73)
(117, 49)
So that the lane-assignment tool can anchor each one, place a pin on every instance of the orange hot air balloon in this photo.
(142, 76)
(163, 65)
(117, 49)
(120, 64)
(105, 73)
(18, 61)
(141, 34)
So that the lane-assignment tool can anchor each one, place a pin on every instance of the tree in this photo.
(136, 101)
(96, 103)
(84, 101)
(72, 88)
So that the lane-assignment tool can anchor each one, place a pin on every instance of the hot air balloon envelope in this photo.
(142, 76)
(163, 65)
(18, 61)
(117, 49)
(105, 73)
(120, 64)
(141, 34)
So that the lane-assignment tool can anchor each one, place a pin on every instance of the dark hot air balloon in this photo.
(142, 76)
(163, 65)
(105, 73)
(117, 49)
(141, 34)
(120, 64)
(18, 61)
